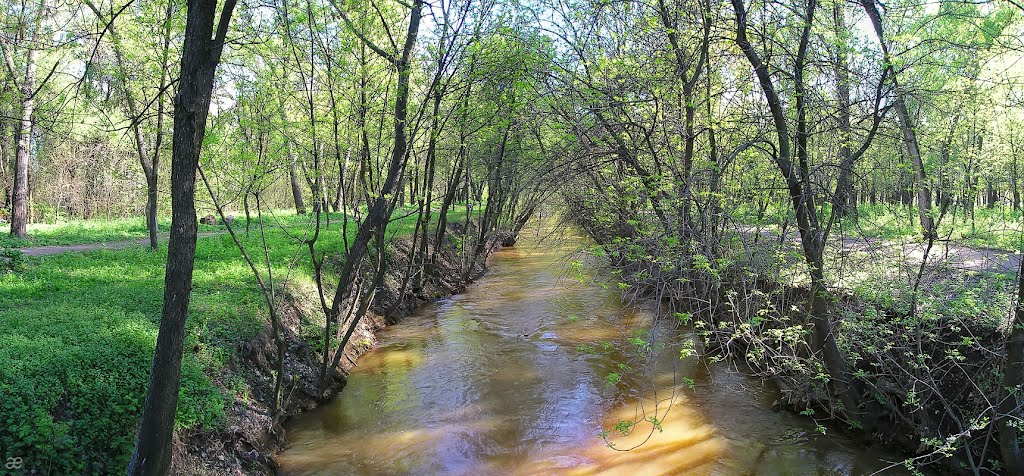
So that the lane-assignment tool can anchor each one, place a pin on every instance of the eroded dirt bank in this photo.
(248, 437)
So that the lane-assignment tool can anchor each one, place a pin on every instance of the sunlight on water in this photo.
(512, 377)
(683, 443)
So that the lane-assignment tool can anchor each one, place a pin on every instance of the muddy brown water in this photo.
(512, 377)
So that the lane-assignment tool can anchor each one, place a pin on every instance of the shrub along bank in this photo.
(924, 345)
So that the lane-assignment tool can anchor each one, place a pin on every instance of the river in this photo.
(522, 373)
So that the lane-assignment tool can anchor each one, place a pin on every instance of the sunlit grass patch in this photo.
(78, 330)
(74, 232)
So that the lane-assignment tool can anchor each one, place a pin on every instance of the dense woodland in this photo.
(826, 191)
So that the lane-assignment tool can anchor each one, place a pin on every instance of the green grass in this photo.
(76, 232)
(882, 221)
(997, 228)
(77, 333)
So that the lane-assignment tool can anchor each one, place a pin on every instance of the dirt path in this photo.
(112, 245)
(944, 254)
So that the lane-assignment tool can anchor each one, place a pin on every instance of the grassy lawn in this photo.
(77, 333)
(77, 232)
(996, 228)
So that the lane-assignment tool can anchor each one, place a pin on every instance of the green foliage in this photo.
(76, 340)
(77, 333)
(684, 318)
(72, 380)
(75, 232)
(11, 260)
(997, 228)
(623, 427)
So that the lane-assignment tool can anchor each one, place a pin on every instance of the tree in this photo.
(149, 157)
(1013, 386)
(797, 177)
(32, 18)
(907, 127)
(201, 53)
(383, 202)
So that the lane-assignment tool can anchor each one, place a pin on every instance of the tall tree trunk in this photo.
(970, 190)
(152, 181)
(149, 164)
(200, 55)
(4, 150)
(942, 196)
(843, 201)
(381, 204)
(907, 128)
(1014, 188)
(1011, 388)
(496, 198)
(23, 152)
(340, 198)
(715, 181)
(453, 185)
(688, 82)
(308, 85)
(321, 188)
(293, 174)
(5, 185)
(428, 188)
(362, 111)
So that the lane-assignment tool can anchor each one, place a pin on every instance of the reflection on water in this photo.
(513, 377)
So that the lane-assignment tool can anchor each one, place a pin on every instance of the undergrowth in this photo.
(78, 330)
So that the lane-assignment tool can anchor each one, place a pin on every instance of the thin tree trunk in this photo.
(801, 195)
(149, 164)
(340, 198)
(428, 188)
(907, 127)
(382, 204)
(496, 198)
(293, 179)
(1014, 188)
(942, 196)
(843, 200)
(4, 150)
(152, 181)
(688, 82)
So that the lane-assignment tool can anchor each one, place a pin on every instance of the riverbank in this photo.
(249, 437)
(922, 362)
(77, 332)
